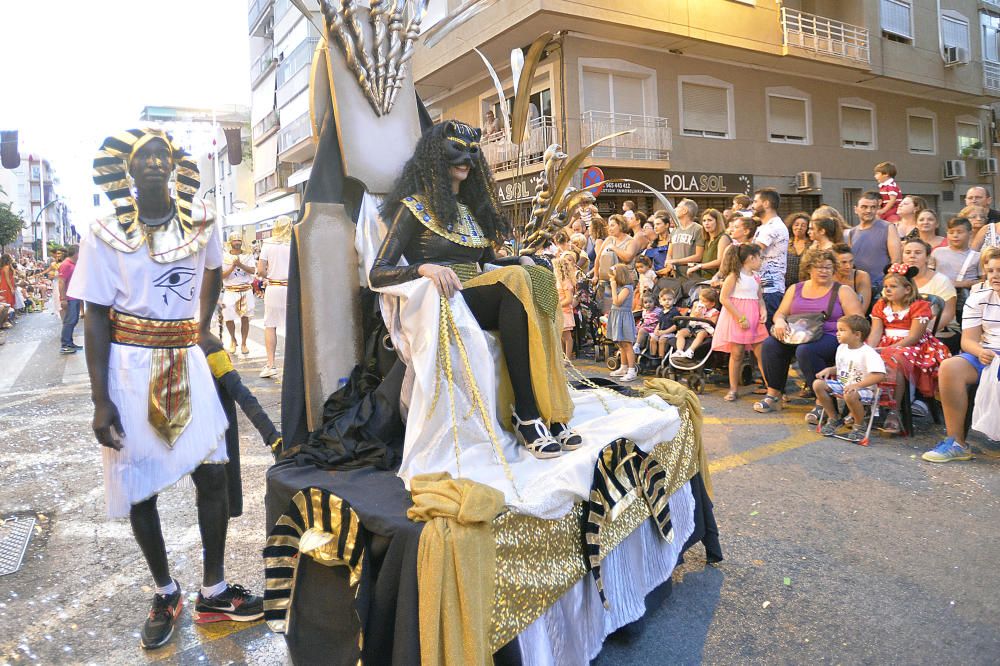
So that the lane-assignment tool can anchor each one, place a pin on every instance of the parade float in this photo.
(405, 521)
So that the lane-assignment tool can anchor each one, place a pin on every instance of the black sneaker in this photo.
(159, 626)
(235, 603)
(76, 346)
(67, 350)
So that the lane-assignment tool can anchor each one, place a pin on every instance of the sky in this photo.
(72, 72)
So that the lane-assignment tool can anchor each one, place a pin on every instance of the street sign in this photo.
(591, 176)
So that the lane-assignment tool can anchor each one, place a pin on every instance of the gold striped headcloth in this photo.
(111, 175)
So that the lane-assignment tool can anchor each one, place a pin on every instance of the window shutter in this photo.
(706, 109)
(265, 158)
(955, 32)
(856, 125)
(968, 134)
(596, 91)
(788, 118)
(921, 134)
(896, 17)
(628, 95)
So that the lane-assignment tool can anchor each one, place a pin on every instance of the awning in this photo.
(300, 176)
(265, 158)
(264, 212)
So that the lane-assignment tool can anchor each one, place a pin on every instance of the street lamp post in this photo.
(34, 223)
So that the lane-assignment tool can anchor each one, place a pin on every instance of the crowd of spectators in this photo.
(28, 285)
(927, 288)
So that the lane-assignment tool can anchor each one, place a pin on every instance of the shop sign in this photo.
(518, 189)
(694, 183)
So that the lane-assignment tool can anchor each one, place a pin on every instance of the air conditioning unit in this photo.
(808, 181)
(955, 55)
(988, 167)
(954, 169)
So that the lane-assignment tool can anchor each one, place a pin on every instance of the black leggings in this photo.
(213, 521)
(497, 309)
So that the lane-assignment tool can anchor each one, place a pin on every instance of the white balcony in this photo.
(502, 155)
(651, 140)
(261, 66)
(266, 127)
(824, 36)
(295, 140)
(991, 76)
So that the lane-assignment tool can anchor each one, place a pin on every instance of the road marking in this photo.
(790, 419)
(794, 441)
(15, 357)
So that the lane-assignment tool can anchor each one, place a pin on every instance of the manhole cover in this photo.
(14, 537)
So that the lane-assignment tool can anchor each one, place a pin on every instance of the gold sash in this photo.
(169, 385)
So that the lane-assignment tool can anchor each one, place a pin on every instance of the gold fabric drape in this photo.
(456, 566)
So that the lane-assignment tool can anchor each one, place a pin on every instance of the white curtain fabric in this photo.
(643, 561)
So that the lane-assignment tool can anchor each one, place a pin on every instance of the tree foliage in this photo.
(11, 225)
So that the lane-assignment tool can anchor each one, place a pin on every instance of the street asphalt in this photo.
(835, 553)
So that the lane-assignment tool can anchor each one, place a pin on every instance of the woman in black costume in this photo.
(444, 222)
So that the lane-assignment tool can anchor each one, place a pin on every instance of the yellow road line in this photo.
(764, 421)
(795, 441)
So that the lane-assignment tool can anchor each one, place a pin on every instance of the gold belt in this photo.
(239, 287)
(277, 283)
(169, 410)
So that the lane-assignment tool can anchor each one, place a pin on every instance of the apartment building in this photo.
(726, 96)
(32, 190)
(282, 42)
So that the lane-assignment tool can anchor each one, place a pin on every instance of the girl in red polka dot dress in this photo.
(901, 334)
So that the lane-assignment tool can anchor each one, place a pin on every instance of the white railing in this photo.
(991, 75)
(296, 131)
(823, 35)
(651, 140)
(502, 154)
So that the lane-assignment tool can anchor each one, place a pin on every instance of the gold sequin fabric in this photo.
(539, 560)
(466, 232)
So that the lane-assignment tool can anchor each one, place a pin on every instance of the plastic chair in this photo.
(871, 409)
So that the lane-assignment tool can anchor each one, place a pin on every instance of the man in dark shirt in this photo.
(978, 195)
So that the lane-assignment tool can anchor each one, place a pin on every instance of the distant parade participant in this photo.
(156, 410)
(273, 266)
(237, 298)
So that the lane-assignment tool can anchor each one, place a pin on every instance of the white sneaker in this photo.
(687, 353)
(631, 375)
(268, 372)
(619, 372)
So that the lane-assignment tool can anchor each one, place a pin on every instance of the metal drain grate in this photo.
(15, 534)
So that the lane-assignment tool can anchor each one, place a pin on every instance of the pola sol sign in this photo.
(693, 183)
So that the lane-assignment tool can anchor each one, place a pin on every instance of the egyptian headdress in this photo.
(182, 236)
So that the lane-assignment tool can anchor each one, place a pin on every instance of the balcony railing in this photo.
(281, 8)
(265, 127)
(294, 132)
(651, 140)
(825, 36)
(266, 184)
(300, 57)
(502, 154)
(262, 65)
(991, 75)
(257, 9)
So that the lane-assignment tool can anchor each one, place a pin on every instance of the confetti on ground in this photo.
(754, 513)
(788, 581)
(765, 604)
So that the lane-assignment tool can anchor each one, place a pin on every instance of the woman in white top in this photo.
(980, 345)
(273, 265)
(988, 236)
(917, 253)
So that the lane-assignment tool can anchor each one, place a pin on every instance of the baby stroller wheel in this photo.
(659, 371)
(614, 361)
(696, 384)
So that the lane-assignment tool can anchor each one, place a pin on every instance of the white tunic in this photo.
(135, 284)
(276, 255)
(237, 304)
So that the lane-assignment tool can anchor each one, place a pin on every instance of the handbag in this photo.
(808, 327)
(985, 416)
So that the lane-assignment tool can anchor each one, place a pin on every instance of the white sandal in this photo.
(544, 445)
(569, 439)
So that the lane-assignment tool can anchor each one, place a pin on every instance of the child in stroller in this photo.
(701, 324)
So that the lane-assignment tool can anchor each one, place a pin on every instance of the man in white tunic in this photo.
(273, 265)
(237, 293)
(142, 274)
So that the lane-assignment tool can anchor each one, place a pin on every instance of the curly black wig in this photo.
(426, 173)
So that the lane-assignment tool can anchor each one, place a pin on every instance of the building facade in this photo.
(32, 190)
(727, 96)
(282, 43)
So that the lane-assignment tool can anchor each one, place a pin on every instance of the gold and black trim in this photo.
(467, 232)
(322, 526)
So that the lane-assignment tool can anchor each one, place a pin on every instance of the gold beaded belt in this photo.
(239, 287)
(169, 409)
(277, 283)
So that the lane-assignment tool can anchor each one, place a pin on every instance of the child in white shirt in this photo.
(858, 368)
